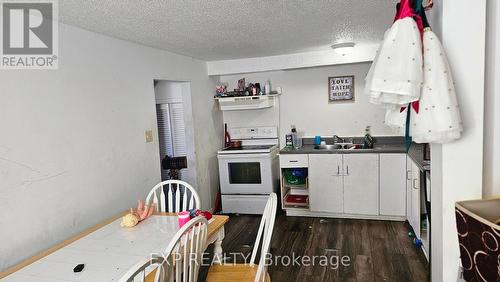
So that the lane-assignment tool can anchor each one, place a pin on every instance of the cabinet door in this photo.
(393, 184)
(361, 180)
(325, 183)
(409, 188)
(415, 199)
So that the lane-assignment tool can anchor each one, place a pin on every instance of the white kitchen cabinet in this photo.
(293, 160)
(408, 188)
(393, 185)
(326, 183)
(361, 183)
(414, 198)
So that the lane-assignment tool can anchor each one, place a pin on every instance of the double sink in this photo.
(340, 146)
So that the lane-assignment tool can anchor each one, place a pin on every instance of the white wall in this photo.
(456, 169)
(491, 183)
(304, 102)
(72, 147)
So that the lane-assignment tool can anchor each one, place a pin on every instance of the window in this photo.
(171, 130)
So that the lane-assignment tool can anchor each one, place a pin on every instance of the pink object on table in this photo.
(183, 218)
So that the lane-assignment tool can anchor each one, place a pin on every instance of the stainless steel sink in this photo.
(336, 147)
(328, 147)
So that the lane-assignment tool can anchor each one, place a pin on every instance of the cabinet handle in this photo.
(293, 161)
(347, 170)
(408, 175)
(338, 170)
(414, 185)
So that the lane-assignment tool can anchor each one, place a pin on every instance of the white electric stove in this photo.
(250, 173)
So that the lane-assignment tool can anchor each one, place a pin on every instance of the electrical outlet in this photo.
(149, 136)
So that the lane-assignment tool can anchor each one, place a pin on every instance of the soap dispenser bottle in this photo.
(295, 138)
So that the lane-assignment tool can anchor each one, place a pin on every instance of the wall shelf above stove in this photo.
(246, 102)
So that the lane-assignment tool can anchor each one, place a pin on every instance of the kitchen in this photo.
(371, 183)
(318, 165)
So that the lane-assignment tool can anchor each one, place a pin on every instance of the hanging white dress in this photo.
(438, 119)
(396, 76)
(395, 118)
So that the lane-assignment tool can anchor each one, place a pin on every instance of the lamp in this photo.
(343, 47)
(174, 164)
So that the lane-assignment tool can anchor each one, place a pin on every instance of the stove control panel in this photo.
(260, 132)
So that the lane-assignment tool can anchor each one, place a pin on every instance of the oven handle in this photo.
(243, 156)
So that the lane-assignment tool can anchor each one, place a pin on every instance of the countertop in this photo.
(416, 153)
(382, 145)
(377, 148)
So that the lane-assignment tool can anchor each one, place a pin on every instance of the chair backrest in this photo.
(183, 256)
(137, 273)
(178, 197)
(265, 233)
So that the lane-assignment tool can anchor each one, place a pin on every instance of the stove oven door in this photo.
(246, 173)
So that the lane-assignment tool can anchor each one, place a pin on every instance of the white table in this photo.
(107, 250)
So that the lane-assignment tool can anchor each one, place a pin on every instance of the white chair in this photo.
(249, 272)
(138, 271)
(182, 258)
(183, 255)
(179, 197)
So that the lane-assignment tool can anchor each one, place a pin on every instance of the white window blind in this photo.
(171, 129)
(178, 129)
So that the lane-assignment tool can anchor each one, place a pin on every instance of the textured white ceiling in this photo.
(217, 30)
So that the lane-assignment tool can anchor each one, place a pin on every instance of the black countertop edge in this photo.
(383, 145)
(416, 153)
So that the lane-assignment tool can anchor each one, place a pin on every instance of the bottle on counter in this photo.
(288, 141)
(368, 139)
(295, 138)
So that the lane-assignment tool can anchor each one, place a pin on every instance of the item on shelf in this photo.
(258, 89)
(296, 200)
(299, 172)
(298, 191)
(267, 87)
(241, 85)
(221, 89)
(317, 140)
(293, 179)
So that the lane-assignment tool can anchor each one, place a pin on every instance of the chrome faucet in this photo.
(337, 139)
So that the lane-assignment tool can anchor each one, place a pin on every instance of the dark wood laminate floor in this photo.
(378, 250)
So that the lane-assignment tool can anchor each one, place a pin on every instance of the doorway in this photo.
(175, 128)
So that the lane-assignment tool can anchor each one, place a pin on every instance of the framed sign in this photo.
(340, 88)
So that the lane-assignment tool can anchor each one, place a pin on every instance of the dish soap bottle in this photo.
(295, 138)
(368, 139)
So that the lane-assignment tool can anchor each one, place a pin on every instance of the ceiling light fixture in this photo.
(343, 48)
